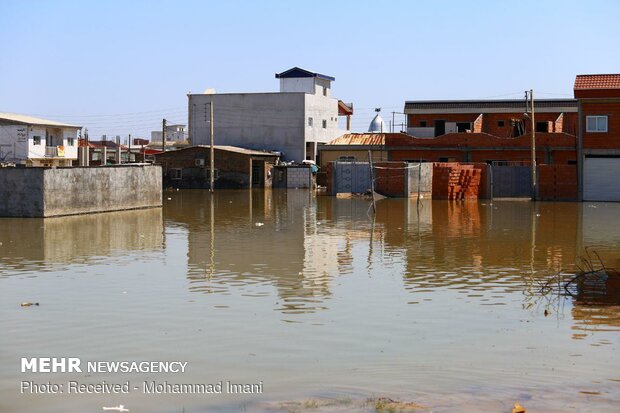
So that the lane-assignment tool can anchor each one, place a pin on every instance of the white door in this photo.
(601, 179)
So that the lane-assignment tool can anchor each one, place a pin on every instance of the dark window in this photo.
(324, 124)
(463, 126)
(70, 142)
(324, 91)
(36, 140)
(542, 126)
(423, 124)
(500, 123)
(572, 162)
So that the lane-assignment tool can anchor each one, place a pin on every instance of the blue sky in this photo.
(118, 67)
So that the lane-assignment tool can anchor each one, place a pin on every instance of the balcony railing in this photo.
(54, 151)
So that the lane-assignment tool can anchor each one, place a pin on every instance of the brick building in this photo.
(487, 131)
(234, 167)
(599, 136)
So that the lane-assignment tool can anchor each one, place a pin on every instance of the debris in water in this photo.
(518, 408)
(169, 199)
(28, 304)
(385, 404)
(119, 408)
(259, 224)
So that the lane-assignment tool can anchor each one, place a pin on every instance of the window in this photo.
(542, 126)
(423, 124)
(310, 121)
(36, 140)
(324, 124)
(572, 162)
(596, 123)
(463, 126)
(500, 123)
(447, 159)
(70, 142)
(324, 91)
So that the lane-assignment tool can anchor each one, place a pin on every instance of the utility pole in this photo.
(211, 160)
(129, 148)
(392, 125)
(163, 135)
(532, 118)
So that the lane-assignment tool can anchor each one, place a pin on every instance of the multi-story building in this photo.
(488, 131)
(293, 121)
(37, 142)
(599, 136)
(174, 133)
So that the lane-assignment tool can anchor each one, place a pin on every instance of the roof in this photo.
(344, 108)
(299, 72)
(488, 106)
(31, 120)
(365, 139)
(227, 148)
(588, 82)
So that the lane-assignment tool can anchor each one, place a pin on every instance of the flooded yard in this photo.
(327, 306)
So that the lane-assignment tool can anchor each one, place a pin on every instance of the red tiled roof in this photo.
(585, 82)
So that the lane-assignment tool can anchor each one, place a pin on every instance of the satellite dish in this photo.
(209, 91)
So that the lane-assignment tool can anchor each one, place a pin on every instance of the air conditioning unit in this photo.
(200, 162)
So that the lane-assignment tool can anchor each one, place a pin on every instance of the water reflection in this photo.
(44, 244)
(250, 240)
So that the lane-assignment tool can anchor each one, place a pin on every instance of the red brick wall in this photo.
(481, 148)
(390, 178)
(456, 181)
(490, 121)
(609, 140)
(557, 182)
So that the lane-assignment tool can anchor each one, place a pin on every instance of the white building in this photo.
(174, 133)
(293, 121)
(37, 142)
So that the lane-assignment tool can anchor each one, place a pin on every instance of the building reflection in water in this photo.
(299, 244)
(41, 244)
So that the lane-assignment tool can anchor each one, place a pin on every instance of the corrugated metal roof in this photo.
(481, 105)
(368, 139)
(31, 120)
(609, 81)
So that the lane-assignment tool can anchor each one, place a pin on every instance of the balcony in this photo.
(54, 151)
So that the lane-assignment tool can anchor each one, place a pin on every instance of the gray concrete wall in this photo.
(45, 192)
(268, 121)
(21, 192)
(425, 175)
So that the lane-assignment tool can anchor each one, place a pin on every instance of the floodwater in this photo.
(438, 303)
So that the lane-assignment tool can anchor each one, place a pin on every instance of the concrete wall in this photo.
(43, 192)
(264, 121)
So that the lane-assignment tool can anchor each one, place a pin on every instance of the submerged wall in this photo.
(47, 192)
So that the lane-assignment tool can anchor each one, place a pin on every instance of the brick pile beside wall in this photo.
(457, 181)
(557, 182)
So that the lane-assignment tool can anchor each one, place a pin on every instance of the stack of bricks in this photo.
(557, 182)
(455, 181)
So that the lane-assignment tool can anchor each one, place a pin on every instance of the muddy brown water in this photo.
(437, 304)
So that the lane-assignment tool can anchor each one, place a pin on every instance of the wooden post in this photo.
(163, 135)
(372, 182)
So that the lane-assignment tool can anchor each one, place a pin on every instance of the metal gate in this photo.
(511, 181)
(350, 177)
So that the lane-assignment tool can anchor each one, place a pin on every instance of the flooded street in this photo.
(438, 303)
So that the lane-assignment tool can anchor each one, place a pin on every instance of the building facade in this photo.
(293, 121)
(599, 136)
(37, 142)
(174, 133)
